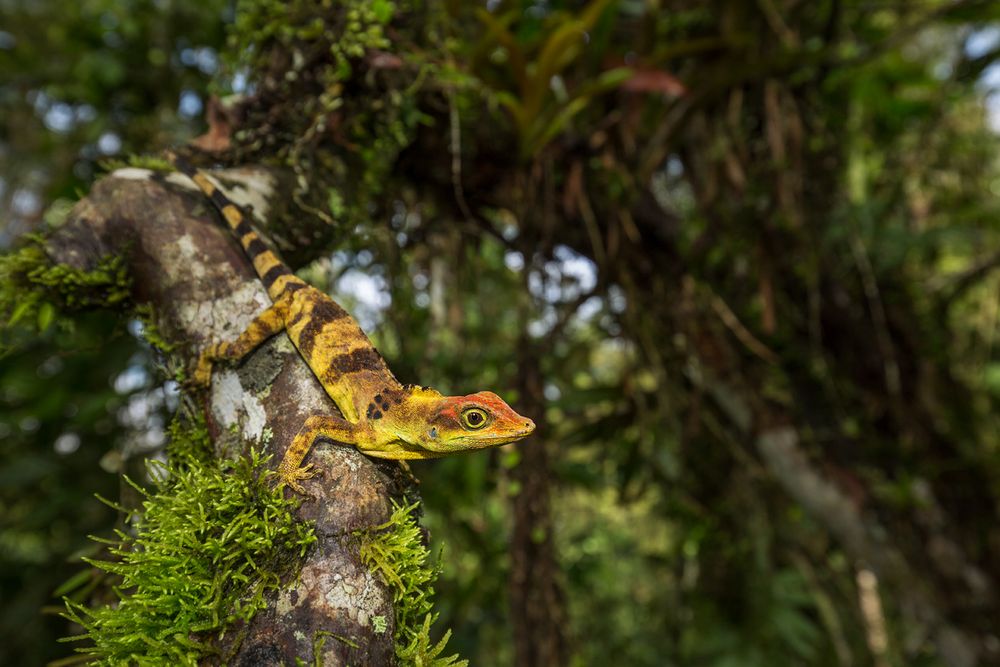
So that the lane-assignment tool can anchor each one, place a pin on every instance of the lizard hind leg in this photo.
(265, 325)
(290, 470)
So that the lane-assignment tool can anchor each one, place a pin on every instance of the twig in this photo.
(777, 24)
(874, 297)
(968, 279)
(743, 334)
(456, 156)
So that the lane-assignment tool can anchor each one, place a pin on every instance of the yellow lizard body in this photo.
(379, 416)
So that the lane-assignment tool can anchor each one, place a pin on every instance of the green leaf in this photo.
(46, 315)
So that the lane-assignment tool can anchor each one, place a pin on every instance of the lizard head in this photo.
(458, 423)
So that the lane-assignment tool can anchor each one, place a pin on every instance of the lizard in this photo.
(378, 415)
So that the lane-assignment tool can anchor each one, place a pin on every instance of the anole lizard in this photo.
(380, 416)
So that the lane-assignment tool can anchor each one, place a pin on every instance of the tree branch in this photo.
(202, 289)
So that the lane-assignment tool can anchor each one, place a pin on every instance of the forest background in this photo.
(737, 259)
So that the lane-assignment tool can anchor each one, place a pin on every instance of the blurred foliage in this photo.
(540, 105)
(79, 402)
(701, 219)
(58, 433)
(33, 291)
(89, 80)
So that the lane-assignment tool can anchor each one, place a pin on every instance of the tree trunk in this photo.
(202, 289)
(537, 602)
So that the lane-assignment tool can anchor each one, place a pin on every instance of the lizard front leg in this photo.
(317, 426)
(265, 325)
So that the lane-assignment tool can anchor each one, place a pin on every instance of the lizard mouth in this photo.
(503, 437)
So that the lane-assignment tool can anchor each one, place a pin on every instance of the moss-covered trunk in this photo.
(201, 289)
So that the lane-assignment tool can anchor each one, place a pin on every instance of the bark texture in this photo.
(202, 289)
(537, 601)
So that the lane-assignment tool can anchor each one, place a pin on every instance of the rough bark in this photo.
(202, 289)
(537, 602)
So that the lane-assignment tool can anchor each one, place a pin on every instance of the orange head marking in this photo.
(475, 421)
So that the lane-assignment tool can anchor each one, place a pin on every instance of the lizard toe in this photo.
(291, 477)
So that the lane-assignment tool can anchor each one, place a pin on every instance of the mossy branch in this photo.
(396, 550)
(37, 294)
(210, 540)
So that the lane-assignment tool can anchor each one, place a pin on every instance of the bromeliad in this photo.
(378, 415)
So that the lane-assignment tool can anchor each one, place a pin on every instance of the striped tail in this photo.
(274, 273)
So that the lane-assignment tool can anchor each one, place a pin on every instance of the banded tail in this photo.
(274, 273)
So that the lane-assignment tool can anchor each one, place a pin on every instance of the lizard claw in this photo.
(291, 477)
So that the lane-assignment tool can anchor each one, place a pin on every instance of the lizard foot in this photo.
(202, 376)
(291, 477)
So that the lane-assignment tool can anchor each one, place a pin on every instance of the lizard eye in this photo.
(474, 418)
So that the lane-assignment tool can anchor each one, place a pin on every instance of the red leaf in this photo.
(655, 81)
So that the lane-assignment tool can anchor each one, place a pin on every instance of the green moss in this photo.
(151, 330)
(396, 550)
(152, 162)
(319, 641)
(200, 554)
(346, 30)
(344, 120)
(188, 438)
(36, 294)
